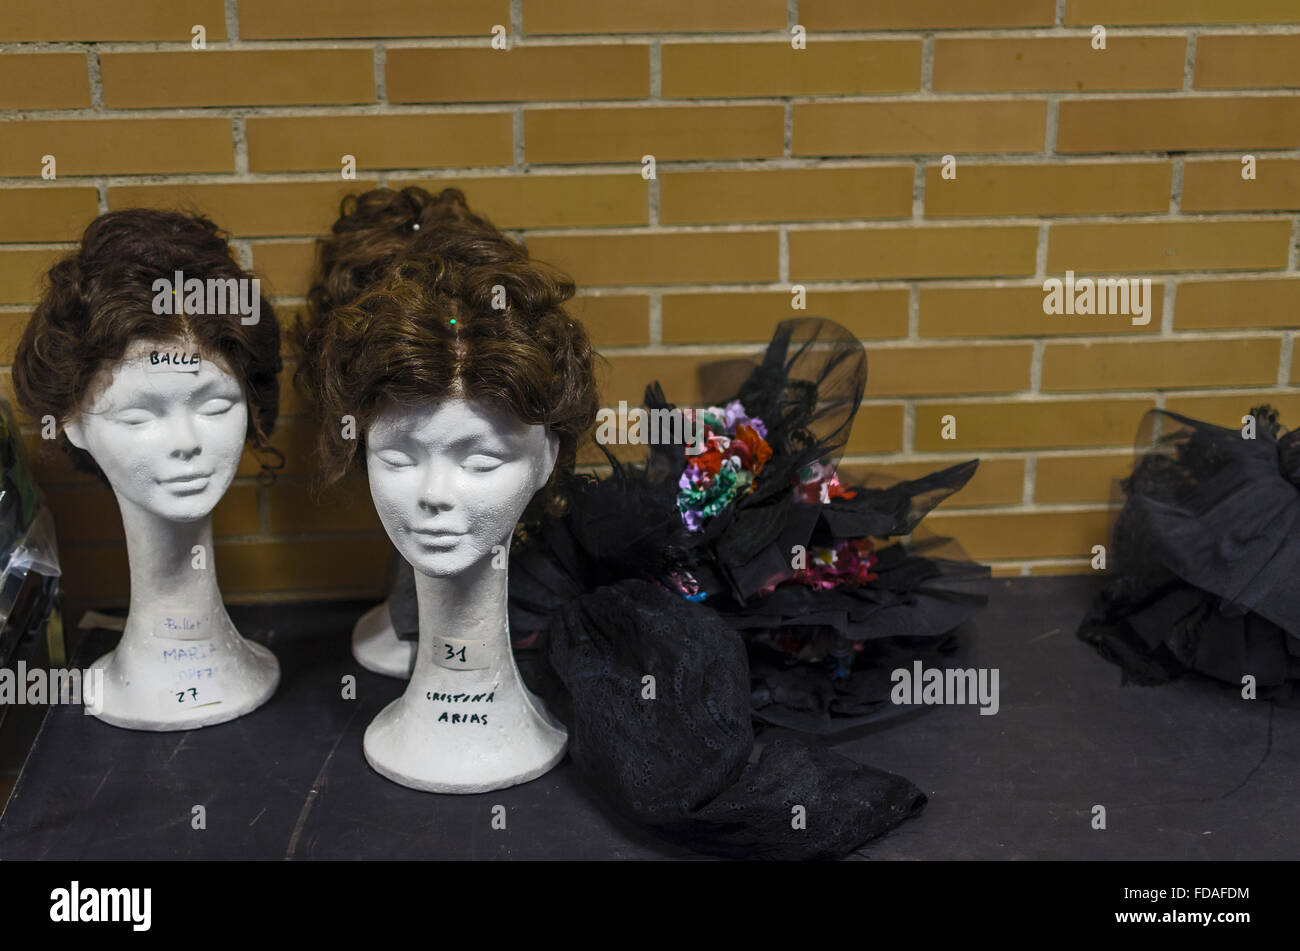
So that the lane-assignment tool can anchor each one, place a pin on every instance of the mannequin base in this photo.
(377, 648)
(131, 708)
(411, 757)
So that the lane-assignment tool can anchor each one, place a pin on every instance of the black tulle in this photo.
(1205, 557)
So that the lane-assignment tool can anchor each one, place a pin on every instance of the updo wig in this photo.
(416, 299)
(100, 298)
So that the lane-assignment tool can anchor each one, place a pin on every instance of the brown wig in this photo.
(416, 298)
(99, 299)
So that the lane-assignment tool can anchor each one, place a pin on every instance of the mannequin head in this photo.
(467, 383)
(158, 404)
(450, 479)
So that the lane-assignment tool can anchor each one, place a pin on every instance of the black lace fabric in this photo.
(1205, 556)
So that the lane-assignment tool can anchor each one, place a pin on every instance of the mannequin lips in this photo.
(187, 483)
(437, 537)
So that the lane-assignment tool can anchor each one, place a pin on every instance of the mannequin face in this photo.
(168, 435)
(451, 478)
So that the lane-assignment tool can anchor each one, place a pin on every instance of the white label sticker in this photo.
(173, 361)
(456, 654)
(182, 626)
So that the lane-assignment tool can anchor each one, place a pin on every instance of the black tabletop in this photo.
(1184, 771)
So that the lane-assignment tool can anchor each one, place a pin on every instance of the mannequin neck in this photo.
(173, 571)
(469, 606)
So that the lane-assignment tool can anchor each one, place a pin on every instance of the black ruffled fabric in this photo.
(596, 589)
(1205, 556)
(678, 761)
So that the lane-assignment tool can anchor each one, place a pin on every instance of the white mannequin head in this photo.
(167, 435)
(451, 479)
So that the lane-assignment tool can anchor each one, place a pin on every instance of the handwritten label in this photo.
(174, 361)
(182, 626)
(192, 677)
(457, 654)
(458, 712)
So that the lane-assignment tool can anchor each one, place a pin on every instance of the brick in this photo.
(877, 427)
(89, 513)
(284, 267)
(46, 214)
(94, 570)
(925, 370)
(802, 194)
(237, 78)
(117, 146)
(905, 128)
(1218, 185)
(751, 316)
(1228, 409)
(1011, 311)
(586, 200)
(1053, 569)
(1168, 246)
(345, 506)
(967, 64)
(775, 68)
(996, 481)
(27, 21)
(626, 377)
(294, 438)
(1232, 305)
(912, 252)
(1081, 478)
(1160, 12)
(261, 209)
(665, 16)
(44, 81)
(522, 74)
(1237, 61)
(1180, 123)
(1025, 534)
(1030, 424)
(50, 465)
(318, 564)
(1102, 188)
(614, 320)
(11, 331)
(624, 134)
(291, 401)
(923, 14)
(1143, 365)
(22, 273)
(694, 258)
(287, 20)
(282, 144)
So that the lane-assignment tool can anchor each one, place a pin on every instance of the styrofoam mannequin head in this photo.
(450, 479)
(167, 435)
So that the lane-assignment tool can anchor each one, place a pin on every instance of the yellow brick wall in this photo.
(775, 166)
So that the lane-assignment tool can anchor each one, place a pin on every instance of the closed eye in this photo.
(134, 417)
(215, 407)
(482, 463)
(394, 459)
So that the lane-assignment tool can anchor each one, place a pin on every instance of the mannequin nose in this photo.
(435, 493)
(184, 439)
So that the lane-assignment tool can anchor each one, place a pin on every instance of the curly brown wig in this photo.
(416, 298)
(99, 299)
